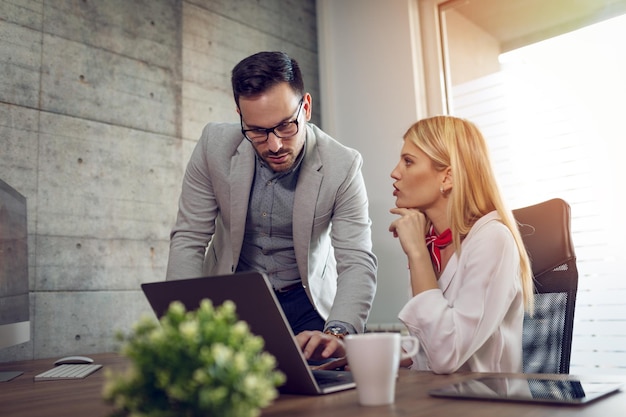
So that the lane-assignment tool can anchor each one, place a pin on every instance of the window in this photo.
(551, 112)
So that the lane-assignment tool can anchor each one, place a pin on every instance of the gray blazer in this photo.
(331, 225)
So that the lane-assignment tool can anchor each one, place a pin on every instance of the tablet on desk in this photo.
(529, 389)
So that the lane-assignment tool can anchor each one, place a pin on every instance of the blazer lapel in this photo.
(242, 166)
(307, 191)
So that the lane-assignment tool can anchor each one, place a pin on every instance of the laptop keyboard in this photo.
(325, 378)
(68, 372)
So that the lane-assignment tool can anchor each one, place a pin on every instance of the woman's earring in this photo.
(441, 190)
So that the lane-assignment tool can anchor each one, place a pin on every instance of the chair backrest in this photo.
(547, 338)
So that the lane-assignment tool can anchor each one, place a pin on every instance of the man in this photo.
(276, 194)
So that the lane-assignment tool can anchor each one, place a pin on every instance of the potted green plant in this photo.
(193, 363)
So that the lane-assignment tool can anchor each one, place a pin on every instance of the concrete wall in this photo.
(101, 103)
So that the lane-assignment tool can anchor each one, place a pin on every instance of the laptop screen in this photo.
(257, 305)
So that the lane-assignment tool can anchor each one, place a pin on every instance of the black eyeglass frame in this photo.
(272, 129)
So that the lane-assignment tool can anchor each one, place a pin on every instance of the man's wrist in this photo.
(337, 329)
(338, 332)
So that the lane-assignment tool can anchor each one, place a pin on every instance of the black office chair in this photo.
(547, 338)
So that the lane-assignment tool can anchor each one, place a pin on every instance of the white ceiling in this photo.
(521, 22)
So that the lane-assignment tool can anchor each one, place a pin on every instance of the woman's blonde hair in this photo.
(457, 143)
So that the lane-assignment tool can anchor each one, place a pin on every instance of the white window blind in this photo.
(553, 118)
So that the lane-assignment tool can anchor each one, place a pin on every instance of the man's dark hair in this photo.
(258, 73)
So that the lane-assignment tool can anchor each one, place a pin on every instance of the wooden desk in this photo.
(412, 399)
(22, 397)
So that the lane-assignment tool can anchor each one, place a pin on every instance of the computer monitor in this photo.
(14, 305)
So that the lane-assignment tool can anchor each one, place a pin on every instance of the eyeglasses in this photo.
(282, 130)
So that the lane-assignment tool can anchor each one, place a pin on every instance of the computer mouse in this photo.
(73, 360)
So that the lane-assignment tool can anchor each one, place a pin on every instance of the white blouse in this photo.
(474, 320)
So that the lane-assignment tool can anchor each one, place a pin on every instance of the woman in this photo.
(470, 278)
(469, 272)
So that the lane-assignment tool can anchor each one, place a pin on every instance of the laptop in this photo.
(258, 306)
(534, 389)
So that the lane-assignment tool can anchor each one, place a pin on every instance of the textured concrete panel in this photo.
(291, 20)
(88, 264)
(215, 42)
(143, 30)
(18, 151)
(20, 60)
(104, 181)
(28, 13)
(114, 61)
(107, 87)
(84, 323)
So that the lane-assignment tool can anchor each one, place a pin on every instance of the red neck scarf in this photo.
(435, 243)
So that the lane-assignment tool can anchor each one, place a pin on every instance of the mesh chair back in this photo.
(547, 338)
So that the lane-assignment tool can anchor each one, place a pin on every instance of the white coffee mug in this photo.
(374, 359)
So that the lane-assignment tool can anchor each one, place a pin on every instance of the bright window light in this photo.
(554, 118)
